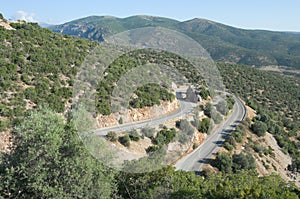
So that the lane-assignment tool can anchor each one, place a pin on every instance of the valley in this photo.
(245, 142)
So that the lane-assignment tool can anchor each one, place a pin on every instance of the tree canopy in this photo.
(50, 161)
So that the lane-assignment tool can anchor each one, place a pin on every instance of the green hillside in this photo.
(49, 160)
(224, 43)
(275, 98)
(37, 68)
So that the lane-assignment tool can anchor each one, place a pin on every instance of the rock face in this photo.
(152, 112)
(192, 96)
(137, 114)
(6, 25)
(176, 150)
(107, 120)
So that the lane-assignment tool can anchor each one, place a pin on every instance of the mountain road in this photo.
(200, 156)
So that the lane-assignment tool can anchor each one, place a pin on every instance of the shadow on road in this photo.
(205, 160)
(219, 143)
(234, 125)
(227, 131)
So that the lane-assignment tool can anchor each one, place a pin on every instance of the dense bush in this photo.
(223, 162)
(242, 162)
(149, 95)
(238, 162)
(211, 112)
(164, 136)
(204, 125)
(259, 128)
(222, 107)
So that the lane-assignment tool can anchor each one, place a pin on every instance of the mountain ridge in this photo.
(224, 43)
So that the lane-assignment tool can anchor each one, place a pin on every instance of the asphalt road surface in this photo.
(195, 160)
(185, 108)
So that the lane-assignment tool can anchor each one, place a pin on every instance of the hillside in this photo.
(275, 99)
(37, 69)
(224, 43)
(48, 158)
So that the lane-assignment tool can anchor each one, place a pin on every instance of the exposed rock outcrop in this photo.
(137, 114)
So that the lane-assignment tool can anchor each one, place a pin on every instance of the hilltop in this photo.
(5, 24)
(224, 43)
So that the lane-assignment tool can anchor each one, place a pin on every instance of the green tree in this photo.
(50, 161)
(243, 162)
(208, 108)
(204, 93)
(223, 162)
(204, 125)
(164, 136)
(230, 101)
(259, 128)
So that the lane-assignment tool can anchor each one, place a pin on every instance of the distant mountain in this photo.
(45, 25)
(224, 43)
(297, 33)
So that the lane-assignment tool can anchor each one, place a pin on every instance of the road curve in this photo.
(195, 160)
(185, 107)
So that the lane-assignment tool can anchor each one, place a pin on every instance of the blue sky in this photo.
(264, 14)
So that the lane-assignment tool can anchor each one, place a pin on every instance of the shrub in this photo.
(228, 146)
(204, 125)
(148, 132)
(151, 149)
(164, 136)
(134, 136)
(120, 120)
(216, 117)
(237, 136)
(125, 140)
(259, 128)
(182, 137)
(185, 127)
(258, 148)
(243, 162)
(112, 136)
(223, 162)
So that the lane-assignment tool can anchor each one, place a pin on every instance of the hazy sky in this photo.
(252, 14)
